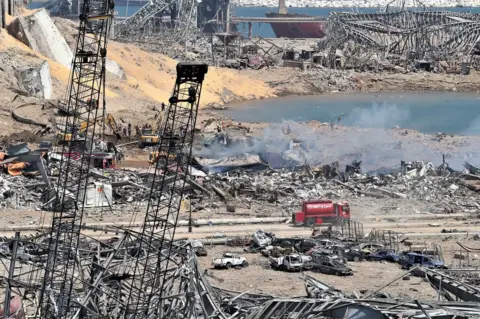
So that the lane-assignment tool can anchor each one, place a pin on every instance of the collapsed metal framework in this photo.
(421, 34)
(86, 88)
(173, 20)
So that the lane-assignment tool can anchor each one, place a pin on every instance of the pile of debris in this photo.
(27, 173)
(288, 188)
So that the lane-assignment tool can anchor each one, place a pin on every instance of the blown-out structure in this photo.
(414, 34)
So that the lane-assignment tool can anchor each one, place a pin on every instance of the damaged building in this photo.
(426, 40)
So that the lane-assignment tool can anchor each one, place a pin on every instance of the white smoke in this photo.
(370, 141)
(378, 116)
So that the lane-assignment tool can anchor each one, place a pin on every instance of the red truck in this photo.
(316, 212)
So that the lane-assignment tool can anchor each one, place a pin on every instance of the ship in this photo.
(314, 29)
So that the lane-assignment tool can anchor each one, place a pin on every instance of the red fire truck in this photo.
(317, 212)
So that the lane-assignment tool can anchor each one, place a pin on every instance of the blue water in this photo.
(454, 113)
(264, 29)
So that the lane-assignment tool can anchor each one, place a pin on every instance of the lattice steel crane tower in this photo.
(151, 288)
(139, 275)
(85, 102)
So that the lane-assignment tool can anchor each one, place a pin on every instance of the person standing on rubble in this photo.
(163, 107)
(331, 125)
(129, 129)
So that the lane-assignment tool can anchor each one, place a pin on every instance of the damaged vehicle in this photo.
(413, 259)
(228, 261)
(384, 255)
(262, 239)
(329, 266)
(291, 263)
(353, 254)
(198, 248)
(370, 248)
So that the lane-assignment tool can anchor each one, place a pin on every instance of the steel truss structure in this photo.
(177, 19)
(425, 34)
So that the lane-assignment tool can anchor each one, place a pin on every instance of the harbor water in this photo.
(453, 113)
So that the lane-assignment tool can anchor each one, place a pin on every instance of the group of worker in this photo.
(127, 131)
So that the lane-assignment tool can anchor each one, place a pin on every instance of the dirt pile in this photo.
(290, 81)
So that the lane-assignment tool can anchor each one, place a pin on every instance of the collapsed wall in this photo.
(38, 31)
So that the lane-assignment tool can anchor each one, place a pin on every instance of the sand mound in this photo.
(149, 77)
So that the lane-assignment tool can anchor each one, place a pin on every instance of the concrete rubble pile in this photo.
(20, 192)
(286, 188)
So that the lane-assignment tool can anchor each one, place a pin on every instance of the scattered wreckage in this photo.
(285, 191)
(329, 302)
(329, 251)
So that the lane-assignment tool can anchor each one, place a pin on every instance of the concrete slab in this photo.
(113, 67)
(39, 32)
(36, 81)
(46, 80)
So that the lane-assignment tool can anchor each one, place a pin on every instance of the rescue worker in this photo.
(339, 119)
(124, 132)
(163, 107)
(289, 128)
(129, 129)
(331, 125)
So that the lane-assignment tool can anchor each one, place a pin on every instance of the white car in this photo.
(229, 260)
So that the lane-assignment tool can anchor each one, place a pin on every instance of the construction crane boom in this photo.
(66, 200)
(150, 286)
(134, 280)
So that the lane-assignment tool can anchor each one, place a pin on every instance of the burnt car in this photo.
(201, 251)
(353, 254)
(384, 255)
(329, 266)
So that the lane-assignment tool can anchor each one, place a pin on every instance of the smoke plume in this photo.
(370, 140)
